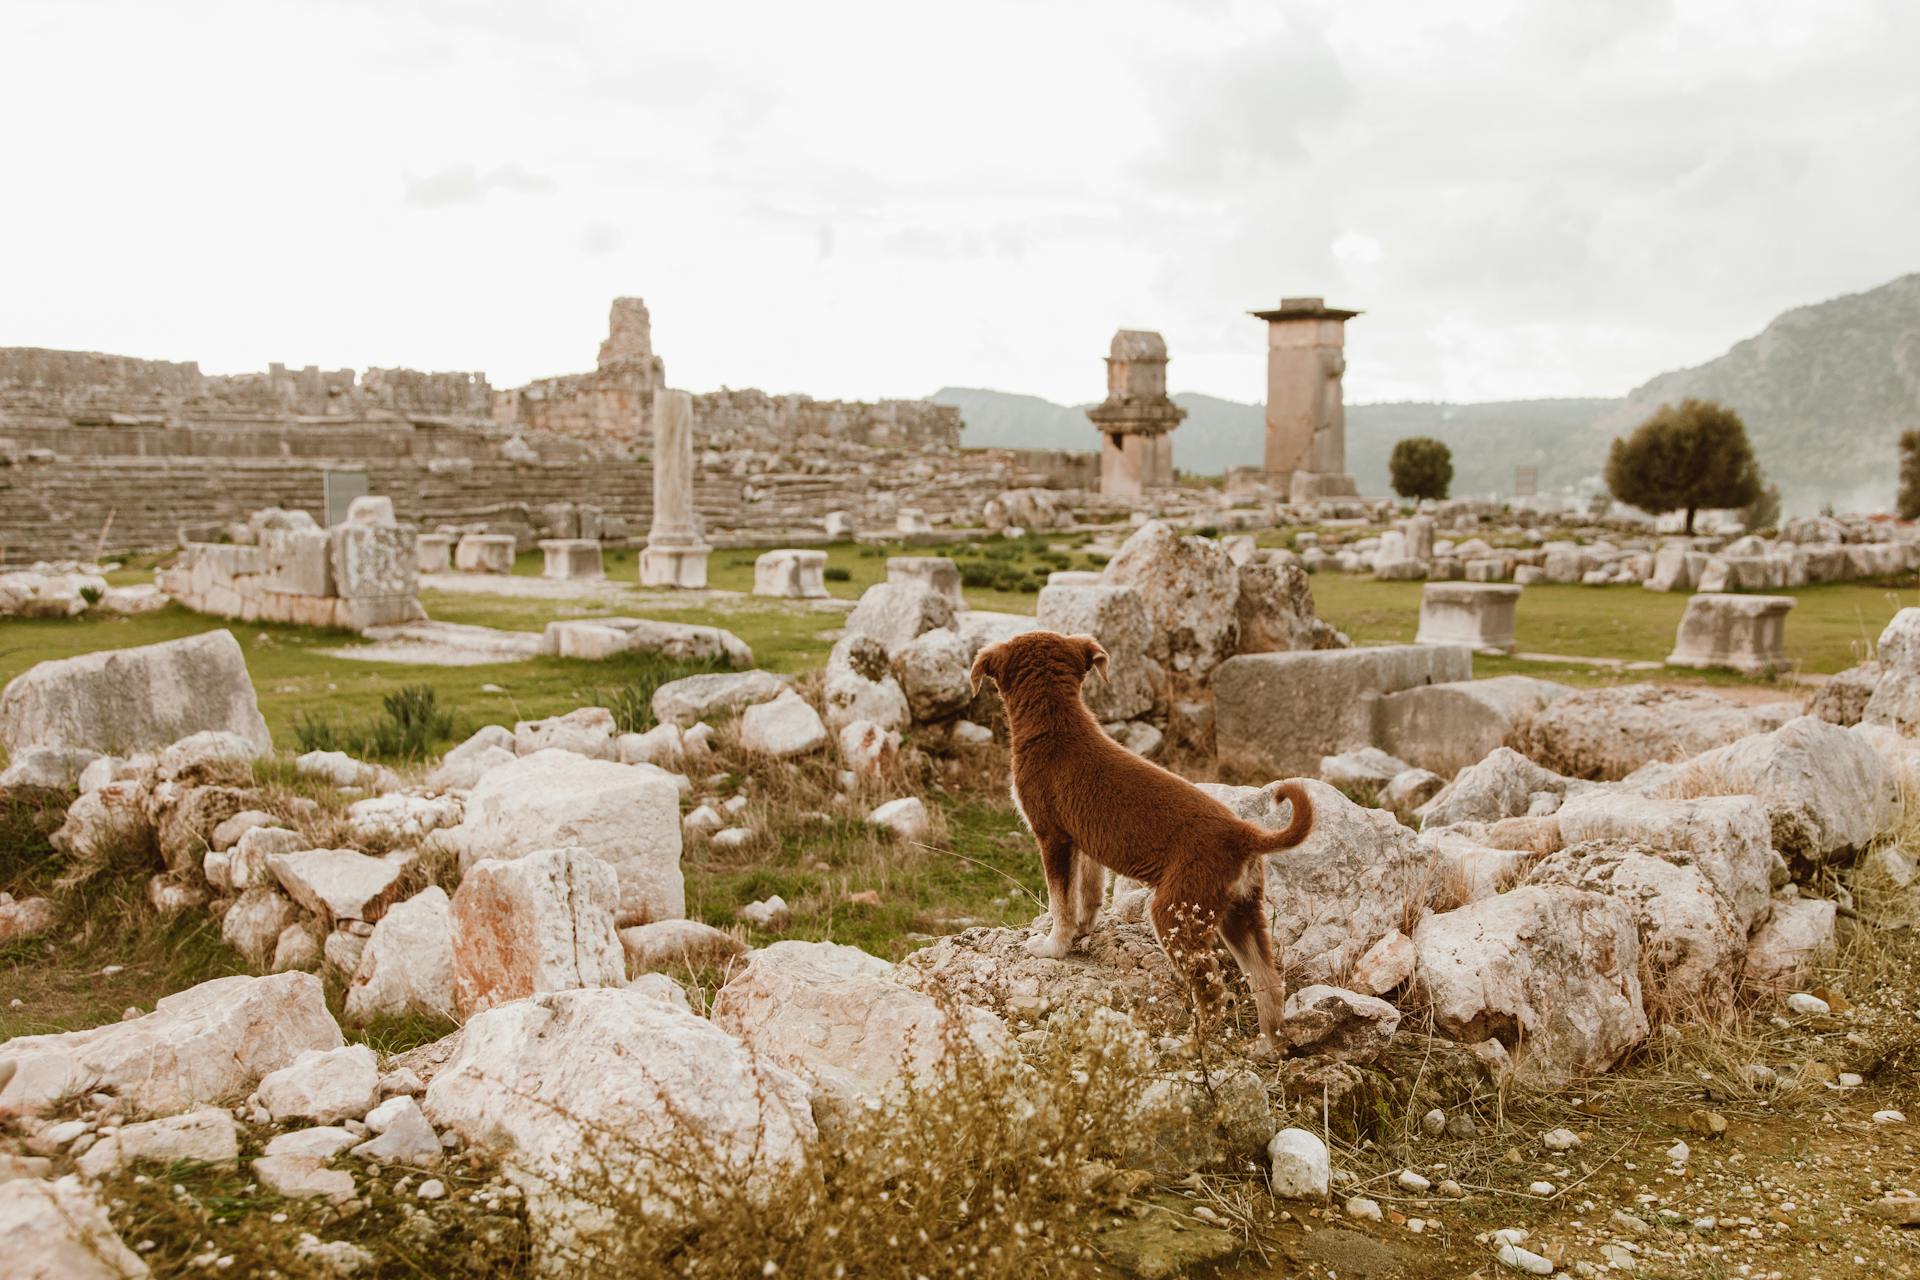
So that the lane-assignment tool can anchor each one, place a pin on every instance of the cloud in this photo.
(601, 237)
(463, 184)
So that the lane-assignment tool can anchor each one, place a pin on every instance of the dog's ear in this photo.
(985, 663)
(1096, 658)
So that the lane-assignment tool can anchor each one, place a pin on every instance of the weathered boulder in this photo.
(253, 924)
(670, 944)
(933, 672)
(1387, 964)
(1826, 790)
(590, 1091)
(1844, 698)
(184, 819)
(298, 1177)
(1504, 785)
(1116, 617)
(136, 699)
(787, 726)
(59, 1230)
(837, 1017)
(660, 745)
(323, 1086)
(1276, 613)
(589, 731)
(1895, 700)
(895, 613)
(399, 818)
(1780, 951)
(627, 817)
(1118, 966)
(691, 699)
(337, 768)
(25, 918)
(402, 1135)
(338, 884)
(867, 750)
(489, 747)
(203, 756)
(936, 573)
(1301, 1168)
(1360, 767)
(906, 817)
(205, 1134)
(1692, 943)
(206, 1044)
(1746, 633)
(543, 922)
(50, 768)
(1727, 837)
(1408, 792)
(1342, 1024)
(298, 947)
(1609, 732)
(407, 964)
(106, 821)
(247, 860)
(860, 685)
(1191, 589)
(1550, 971)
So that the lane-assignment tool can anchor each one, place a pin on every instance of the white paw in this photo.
(1047, 947)
(1263, 1048)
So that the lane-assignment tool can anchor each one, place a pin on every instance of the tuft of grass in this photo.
(632, 702)
(412, 726)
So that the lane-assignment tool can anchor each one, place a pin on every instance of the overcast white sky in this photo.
(868, 200)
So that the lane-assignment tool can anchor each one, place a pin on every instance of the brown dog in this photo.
(1091, 803)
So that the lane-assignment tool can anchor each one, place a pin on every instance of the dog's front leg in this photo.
(1056, 859)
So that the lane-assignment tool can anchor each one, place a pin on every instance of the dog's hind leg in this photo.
(1089, 891)
(1245, 930)
(1186, 930)
(1057, 860)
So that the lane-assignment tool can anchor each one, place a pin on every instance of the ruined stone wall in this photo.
(753, 417)
(72, 508)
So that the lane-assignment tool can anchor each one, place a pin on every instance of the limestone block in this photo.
(297, 562)
(572, 558)
(791, 574)
(324, 1086)
(682, 567)
(484, 553)
(935, 573)
(628, 816)
(407, 965)
(933, 670)
(896, 612)
(600, 638)
(1480, 615)
(1446, 727)
(787, 726)
(694, 698)
(543, 922)
(1117, 617)
(1190, 588)
(433, 552)
(375, 562)
(59, 1230)
(337, 884)
(1276, 714)
(1610, 732)
(137, 699)
(1746, 633)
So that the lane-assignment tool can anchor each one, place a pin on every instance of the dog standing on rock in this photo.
(1093, 804)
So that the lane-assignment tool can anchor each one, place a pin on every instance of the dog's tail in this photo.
(1295, 831)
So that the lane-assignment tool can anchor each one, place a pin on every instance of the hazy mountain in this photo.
(1825, 391)
(1488, 440)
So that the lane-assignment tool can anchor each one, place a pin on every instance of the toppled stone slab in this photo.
(599, 638)
(407, 964)
(59, 1230)
(338, 884)
(667, 944)
(1446, 727)
(1504, 785)
(139, 699)
(210, 1043)
(206, 1135)
(1728, 837)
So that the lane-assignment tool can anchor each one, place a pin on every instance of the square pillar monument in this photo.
(1306, 453)
(1137, 418)
(675, 554)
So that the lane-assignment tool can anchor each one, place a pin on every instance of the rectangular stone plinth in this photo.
(935, 573)
(433, 552)
(791, 573)
(1744, 633)
(484, 553)
(572, 558)
(682, 567)
(1480, 614)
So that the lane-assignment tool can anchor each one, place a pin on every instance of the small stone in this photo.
(1540, 1188)
(1450, 1189)
(1901, 1210)
(1759, 1076)
(769, 913)
(1708, 1124)
(432, 1189)
(1434, 1123)
(1524, 1260)
(1301, 1166)
(1801, 1002)
(1461, 1126)
(1848, 1080)
(1411, 1181)
(1362, 1209)
(1889, 1117)
(1559, 1139)
(1679, 1153)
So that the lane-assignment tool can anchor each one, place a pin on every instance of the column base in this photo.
(682, 567)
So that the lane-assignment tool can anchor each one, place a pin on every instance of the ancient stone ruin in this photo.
(1306, 453)
(1137, 419)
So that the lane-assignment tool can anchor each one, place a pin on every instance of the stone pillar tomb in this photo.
(1306, 451)
(1136, 419)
